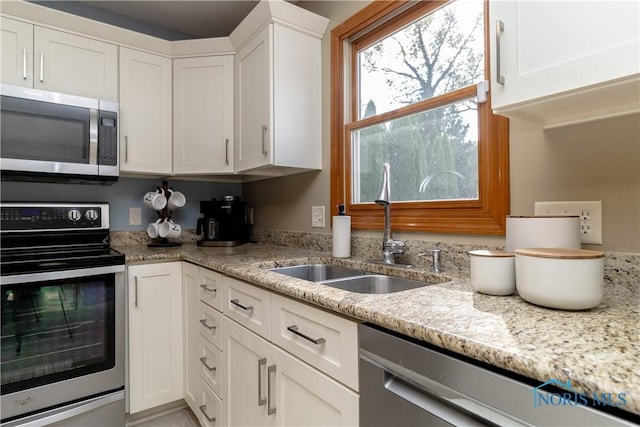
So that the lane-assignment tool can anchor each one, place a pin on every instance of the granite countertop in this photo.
(598, 350)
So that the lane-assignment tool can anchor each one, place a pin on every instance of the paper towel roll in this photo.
(543, 232)
(341, 242)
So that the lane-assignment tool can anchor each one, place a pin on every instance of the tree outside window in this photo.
(413, 104)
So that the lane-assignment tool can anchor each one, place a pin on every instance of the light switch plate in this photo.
(590, 214)
(317, 216)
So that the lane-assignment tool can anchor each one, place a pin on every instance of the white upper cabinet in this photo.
(565, 61)
(56, 61)
(75, 65)
(145, 112)
(203, 115)
(278, 90)
(17, 53)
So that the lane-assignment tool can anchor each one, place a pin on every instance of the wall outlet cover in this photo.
(317, 216)
(135, 216)
(590, 214)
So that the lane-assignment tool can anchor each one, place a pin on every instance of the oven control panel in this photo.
(34, 216)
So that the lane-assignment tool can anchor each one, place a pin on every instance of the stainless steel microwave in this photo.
(54, 137)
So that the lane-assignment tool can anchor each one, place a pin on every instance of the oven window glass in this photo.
(33, 130)
(57, 330)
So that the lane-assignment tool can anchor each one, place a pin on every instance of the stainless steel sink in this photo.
(318, 272)
(350, 279)
(375, 284)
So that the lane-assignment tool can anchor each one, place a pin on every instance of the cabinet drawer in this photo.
(211, 366)
(210, 410)
(326, 341)
(248, 305)
(210, 323)
(210, 290)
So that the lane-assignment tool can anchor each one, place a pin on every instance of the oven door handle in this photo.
(61, 274)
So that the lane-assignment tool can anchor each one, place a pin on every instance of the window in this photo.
(405, 81)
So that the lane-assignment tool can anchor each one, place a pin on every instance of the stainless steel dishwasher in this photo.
(408, 383)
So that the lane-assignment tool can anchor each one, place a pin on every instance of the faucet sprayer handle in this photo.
(396, 246)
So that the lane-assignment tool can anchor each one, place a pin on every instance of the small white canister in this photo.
(542, 232)
(568, 279)
(492, 272)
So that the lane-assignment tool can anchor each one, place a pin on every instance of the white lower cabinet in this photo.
(155, 335)
(265, 385)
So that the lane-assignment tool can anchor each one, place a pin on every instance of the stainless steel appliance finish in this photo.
(63, 315)
(405, 383)
(52, 136)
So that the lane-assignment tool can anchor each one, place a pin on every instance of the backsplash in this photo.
(620, 268)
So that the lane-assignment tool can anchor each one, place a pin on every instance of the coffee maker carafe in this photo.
(223, 222)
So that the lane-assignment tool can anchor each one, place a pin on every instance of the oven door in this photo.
(62, 337)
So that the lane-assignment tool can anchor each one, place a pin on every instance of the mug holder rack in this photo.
(163, 214)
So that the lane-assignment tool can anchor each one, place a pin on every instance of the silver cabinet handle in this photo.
(204, 362)
(208, 289)
(261, 363)
(499, 30)
(126, 149)
(24, 63)
(206, 325)
(265, 129)
(236, 302)
(294, 330)
(226, 151)
(203, 409)
(270, 409)
(41, 67)
(136, 290)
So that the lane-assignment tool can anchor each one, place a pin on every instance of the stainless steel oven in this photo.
(63, 302)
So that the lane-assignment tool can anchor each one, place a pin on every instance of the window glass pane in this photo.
(433, 155)
(436, 54)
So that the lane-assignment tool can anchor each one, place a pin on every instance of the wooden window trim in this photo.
(486, 215)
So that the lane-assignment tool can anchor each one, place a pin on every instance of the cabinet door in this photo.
(254, 133)
(203, 115)
(145, 112)
(306, 397)
(75, 65)
(155, 335)
(192, 344)
(547, 48)
(245, 376)
(17, 53)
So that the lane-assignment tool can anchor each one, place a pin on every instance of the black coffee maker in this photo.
(224, 222)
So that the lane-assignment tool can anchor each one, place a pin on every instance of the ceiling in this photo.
(169, 20)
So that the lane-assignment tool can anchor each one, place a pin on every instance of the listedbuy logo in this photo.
(573, 398)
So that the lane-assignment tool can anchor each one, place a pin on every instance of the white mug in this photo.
(153, 229)
(176, 200)
(155, 200)
(169, 229)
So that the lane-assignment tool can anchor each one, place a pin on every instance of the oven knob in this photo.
(74, 215)
(91, 214)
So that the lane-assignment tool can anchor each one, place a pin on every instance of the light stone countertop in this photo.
(598, 350)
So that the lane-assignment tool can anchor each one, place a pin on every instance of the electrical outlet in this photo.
(590, 214)
(317, 216)
(135, 216)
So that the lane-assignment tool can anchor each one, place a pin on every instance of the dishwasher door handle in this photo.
(439, 406)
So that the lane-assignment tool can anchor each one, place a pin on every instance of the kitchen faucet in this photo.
(390, 247)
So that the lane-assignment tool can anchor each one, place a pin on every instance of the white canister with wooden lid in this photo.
(492, 272)
(542, 232)
(568, 279)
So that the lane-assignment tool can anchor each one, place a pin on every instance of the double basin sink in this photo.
(350, 279)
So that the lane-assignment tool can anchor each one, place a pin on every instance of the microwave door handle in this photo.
(93, 137)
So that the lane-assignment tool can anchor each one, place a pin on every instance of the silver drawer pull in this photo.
(204, 362)
(203, 409)
(236, 302)
(499, 30)
(206, 325)
(261, 364)
(208, 289)
(270, 409)
(294, 329)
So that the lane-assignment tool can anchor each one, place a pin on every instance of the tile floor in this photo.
(181, 418)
